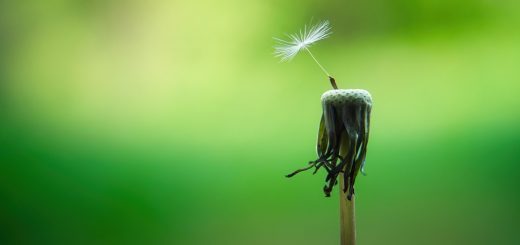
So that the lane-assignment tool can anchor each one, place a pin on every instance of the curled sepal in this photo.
(342, 137)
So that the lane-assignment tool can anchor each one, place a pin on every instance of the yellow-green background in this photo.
(170, 122)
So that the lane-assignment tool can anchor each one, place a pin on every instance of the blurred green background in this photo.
(170, 122)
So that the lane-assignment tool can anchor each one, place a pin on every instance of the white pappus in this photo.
(286, 50)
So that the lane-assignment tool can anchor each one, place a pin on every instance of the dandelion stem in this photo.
(346, 207)
(347, 216)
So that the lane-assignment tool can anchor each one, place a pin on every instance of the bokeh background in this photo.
(170, 122)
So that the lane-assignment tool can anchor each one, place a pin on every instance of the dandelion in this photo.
(286, 50)
(343, 131)
(342, 138)
(341, 148)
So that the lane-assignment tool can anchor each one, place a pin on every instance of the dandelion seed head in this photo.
(342, 96)
(286, 50)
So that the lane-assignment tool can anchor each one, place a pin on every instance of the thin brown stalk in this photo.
(347, 217)
(346, 207)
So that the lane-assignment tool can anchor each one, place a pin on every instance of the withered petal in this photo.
(342, 137)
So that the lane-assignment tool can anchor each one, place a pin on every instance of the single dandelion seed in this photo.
(286, 50)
